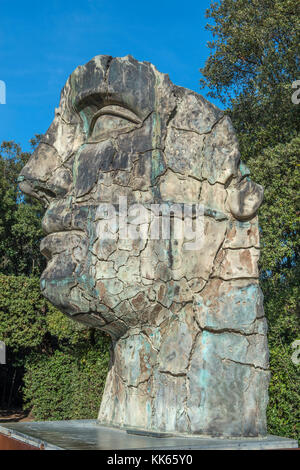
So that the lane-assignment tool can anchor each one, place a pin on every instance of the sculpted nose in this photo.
(44, 176)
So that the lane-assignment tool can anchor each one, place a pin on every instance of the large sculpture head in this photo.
(126, 149)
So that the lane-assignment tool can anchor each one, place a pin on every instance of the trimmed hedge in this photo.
(67, 384)
(63, 364)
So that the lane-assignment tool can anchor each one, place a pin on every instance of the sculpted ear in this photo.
(245, 199)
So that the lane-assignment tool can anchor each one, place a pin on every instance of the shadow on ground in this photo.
(15, 416)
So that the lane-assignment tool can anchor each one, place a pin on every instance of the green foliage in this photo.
(68, 384)
(255, 46)
(47, 385)
(20, 217)
(284, 402)
(281, 304)
(21, 312)
(65, 363)
(27, 320)
(277, 170)
(254, 60)
(90, 380)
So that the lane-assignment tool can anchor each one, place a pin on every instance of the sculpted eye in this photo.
(110, 120)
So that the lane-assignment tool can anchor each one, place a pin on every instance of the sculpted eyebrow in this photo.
(99, 100)
(88, 98)
(91, 105)
(119, 111)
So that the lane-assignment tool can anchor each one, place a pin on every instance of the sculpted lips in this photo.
(64, 215)
(57, 217)
(59, 242)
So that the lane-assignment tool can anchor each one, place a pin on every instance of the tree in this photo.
(55, 366)
(254, 60)
(20, 216)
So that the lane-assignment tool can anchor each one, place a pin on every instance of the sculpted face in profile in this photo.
(189, 351)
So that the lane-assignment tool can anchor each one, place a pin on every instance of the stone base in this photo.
(90, 435)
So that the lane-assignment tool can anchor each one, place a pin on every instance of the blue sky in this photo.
(42, 42)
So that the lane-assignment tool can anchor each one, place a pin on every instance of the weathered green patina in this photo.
(189, 350)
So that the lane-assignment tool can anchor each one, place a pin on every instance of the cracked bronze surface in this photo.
(189, 349)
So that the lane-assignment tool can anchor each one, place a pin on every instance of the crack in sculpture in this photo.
(187, 326)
